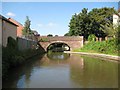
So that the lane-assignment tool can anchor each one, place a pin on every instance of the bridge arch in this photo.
(61, 44)
(73, 42)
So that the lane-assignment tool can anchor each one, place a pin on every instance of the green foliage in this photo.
(44, 40)
(67, 34)
(80, 24)
(27, 30)
(12, 43)
(49, 35)
(107, 47)
(96, 22)
(91, 37)
(117, 33)
(12, 57)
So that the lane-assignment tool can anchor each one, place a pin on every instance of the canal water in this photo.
(62, 70)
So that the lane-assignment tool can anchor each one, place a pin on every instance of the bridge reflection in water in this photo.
(57, 55)
(62, 70)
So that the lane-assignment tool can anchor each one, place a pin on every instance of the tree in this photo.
(80, 24)
(96, 22)
(67, 34)
(27, 30)
(73, 25)
(49, 35)
(102, 21)
(56, 35)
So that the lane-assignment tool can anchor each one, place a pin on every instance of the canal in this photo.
(62, 70)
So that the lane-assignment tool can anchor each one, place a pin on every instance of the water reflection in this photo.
(57, 55)
(19, 76)
(61, 70)
(95, 74)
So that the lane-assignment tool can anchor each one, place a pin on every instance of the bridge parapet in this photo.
(62, 38)
(72, 41)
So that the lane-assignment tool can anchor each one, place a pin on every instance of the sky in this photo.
(49, 17)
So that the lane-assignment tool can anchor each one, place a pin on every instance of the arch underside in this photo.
(58, 45)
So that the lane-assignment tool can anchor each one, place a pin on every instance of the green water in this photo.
(61, 70)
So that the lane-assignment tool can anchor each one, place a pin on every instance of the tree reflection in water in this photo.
(21, 74)
(96, 73)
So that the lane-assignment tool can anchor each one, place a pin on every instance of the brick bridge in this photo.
(72, 41)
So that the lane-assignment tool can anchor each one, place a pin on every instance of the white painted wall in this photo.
(115, 20)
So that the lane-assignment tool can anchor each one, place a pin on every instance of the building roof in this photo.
(15, 22)
(5, 19)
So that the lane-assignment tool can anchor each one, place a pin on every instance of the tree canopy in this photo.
(49, 35)
(96, 22)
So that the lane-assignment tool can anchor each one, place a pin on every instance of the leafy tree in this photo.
(91, 37)
(73, 25)
(67, 34)
(103, 19)
(97, 22)
(27, 30)
(49, 35)
(12, 43)
(80, 24)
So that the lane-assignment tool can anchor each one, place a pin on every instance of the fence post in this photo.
(96, 38)
(106, 38)
(100, 39)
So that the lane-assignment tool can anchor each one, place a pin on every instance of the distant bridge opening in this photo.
(58, 47)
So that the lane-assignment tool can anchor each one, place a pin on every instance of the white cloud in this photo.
(10, 14)
(40, 25)
(51, 24)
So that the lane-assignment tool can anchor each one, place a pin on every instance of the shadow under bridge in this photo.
(58, 47)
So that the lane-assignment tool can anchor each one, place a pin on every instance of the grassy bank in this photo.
(106, 47)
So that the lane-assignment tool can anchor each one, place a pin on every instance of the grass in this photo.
(105, 47)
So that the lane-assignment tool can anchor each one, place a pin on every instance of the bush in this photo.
(107, 47)
(91, 37)
(44, 40)
(12, 57)
(12, 43)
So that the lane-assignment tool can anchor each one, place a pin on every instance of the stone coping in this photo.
(111, 57)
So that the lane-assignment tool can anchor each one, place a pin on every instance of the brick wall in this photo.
(73, 42)
(19, 27)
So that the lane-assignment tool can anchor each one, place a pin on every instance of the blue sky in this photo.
(49, 17)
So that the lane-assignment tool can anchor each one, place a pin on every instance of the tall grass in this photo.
(107, 47)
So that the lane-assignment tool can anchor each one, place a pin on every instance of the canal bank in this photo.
(105, 56)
